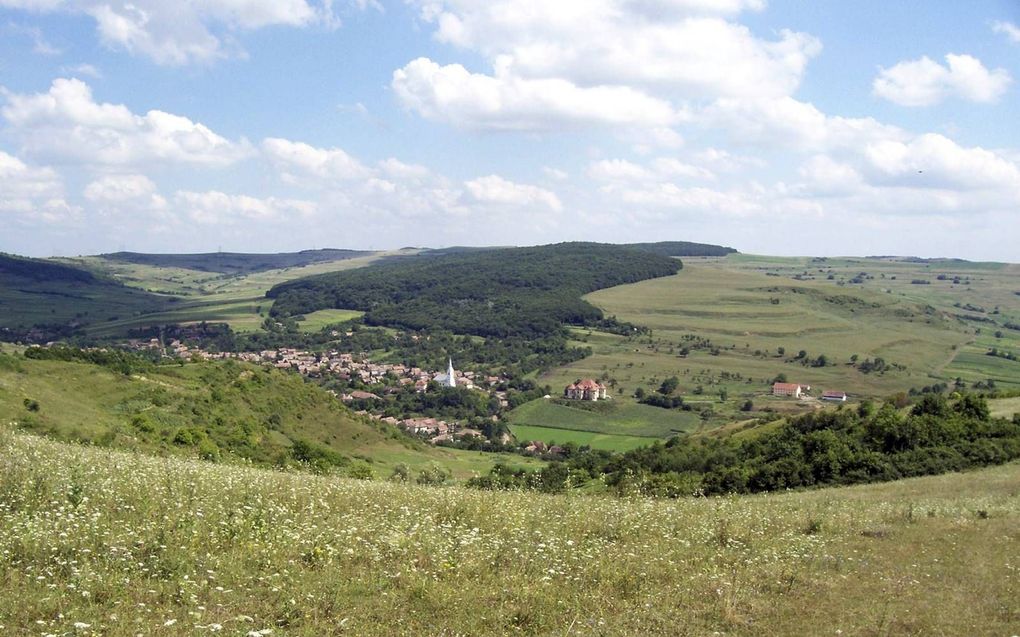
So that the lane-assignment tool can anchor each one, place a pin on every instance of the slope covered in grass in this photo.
(94, 542)
(218, 410)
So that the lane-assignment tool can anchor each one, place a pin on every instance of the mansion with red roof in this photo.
(587, 389)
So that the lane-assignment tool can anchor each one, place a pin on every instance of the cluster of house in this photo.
(797, 390)
(436, 430)
(344, 366)
(586, 389)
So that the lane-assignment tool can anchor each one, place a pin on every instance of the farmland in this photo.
(720, 324)
(98, 542)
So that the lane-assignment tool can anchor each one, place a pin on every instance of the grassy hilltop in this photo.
(95, 542)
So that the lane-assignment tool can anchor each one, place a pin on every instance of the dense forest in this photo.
(682, 249)
(846, 446)
(526, 292)
(235, 262)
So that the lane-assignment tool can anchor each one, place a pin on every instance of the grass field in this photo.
(744, 308)
(554, 435)
(1004, 407)
(94, 542)
(315, 321)
(609, 417)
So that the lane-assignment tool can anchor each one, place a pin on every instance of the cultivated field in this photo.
(94, 542)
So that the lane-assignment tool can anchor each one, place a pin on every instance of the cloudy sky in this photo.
(780, 127)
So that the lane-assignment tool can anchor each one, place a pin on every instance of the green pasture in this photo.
(315, 321)
(1004, 407)
(613, 418)
(591, 439)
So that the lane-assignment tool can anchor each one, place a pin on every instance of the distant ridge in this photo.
(682, 249)
(236, 262)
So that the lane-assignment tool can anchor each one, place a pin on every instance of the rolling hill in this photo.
(56, 298)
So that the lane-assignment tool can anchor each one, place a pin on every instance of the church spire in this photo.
(451, 378)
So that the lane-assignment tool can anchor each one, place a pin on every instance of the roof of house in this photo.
(787, 386)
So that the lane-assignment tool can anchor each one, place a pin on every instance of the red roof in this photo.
(787, 386)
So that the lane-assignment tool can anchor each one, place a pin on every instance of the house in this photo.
(789, 389)
(837, 396)
(587, 389)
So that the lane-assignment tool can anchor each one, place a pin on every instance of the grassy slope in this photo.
(126, 544)
(234, 262)
(234, 402)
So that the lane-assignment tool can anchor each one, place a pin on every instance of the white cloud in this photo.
(494, 189)
(925, 82)
(683, 45)
(934, 161)
(177, 33)
(468, 100)
(214, 207)
(32, 193)
(1009, 29)
(786, 123)
(39, 43)
(320, 163)
(66, 124)
(119, 191)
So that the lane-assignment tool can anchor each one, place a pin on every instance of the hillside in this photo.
(94, 542)
(58, 298)
(683, 249)
(505, 292)
(225, 411)
(235, 262)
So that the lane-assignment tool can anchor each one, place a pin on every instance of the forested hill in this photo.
(505, 292)
(235, 262)
(683, 249)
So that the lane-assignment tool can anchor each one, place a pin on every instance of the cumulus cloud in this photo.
(32, 192)
(787, 123)
(494, 189)
(214, 207)
(298, 160)
(177, 33)
(118, 191)
(1008, 29)
(454, 95)
(925, 82)
(66, 124)
(685, 45)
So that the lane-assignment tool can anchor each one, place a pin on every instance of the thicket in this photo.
(827, 448)
(118, 360)
(514, 292)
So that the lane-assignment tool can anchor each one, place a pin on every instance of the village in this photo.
(393, 377)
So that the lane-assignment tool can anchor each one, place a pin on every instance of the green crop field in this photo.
(315, 321)
(98, 542)
(554, 435)
(607, 417)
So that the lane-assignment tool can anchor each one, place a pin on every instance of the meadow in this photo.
(727, 327)
(98, 542)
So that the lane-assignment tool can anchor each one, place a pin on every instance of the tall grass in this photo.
(96, 542)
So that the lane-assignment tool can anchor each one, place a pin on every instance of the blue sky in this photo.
(822, 128)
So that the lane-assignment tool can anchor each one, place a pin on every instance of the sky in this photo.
(787, 127)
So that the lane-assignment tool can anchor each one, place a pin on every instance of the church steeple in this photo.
(451, 378)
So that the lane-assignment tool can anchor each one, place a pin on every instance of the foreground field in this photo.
(97, 542)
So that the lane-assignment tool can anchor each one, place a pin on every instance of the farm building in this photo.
(587, 389)
(790, 389)
(837, 396)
